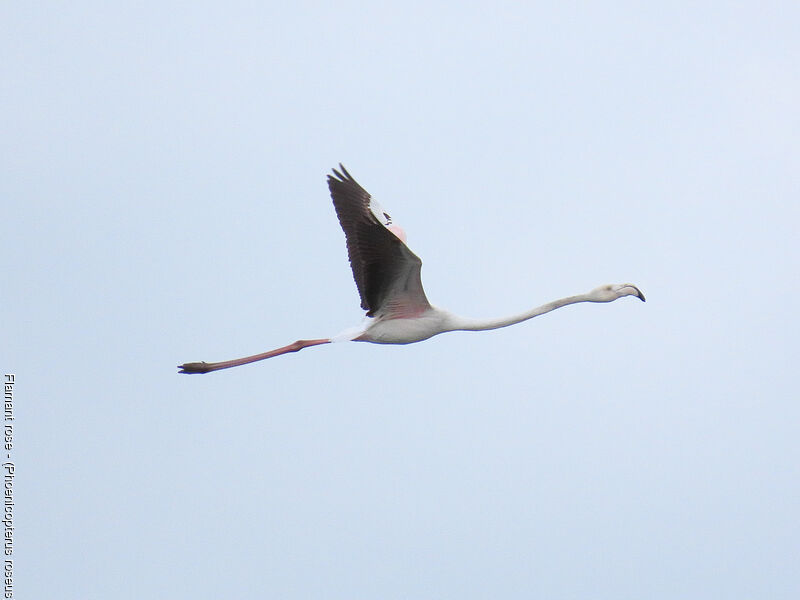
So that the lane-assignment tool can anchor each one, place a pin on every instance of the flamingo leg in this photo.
(204, 367)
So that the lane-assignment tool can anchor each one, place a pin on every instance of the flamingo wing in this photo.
(386, 272)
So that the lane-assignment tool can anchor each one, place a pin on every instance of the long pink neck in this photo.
(463, 324)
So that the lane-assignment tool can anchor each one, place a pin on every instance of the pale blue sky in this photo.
(164, 200)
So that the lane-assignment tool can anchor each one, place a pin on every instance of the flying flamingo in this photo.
(387, 275)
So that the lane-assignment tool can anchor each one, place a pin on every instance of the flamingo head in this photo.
(614, 291)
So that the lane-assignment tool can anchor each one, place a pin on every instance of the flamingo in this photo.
(387, 275)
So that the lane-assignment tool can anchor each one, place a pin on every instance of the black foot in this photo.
(191, 368)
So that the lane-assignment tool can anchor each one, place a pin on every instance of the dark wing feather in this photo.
(386, 272)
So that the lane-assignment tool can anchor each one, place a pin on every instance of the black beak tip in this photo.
(640, 295)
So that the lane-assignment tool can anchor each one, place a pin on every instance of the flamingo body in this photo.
(406, 330)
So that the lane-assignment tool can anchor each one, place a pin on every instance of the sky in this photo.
(164, 201)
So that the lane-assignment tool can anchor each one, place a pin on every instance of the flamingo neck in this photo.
(464, 324)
